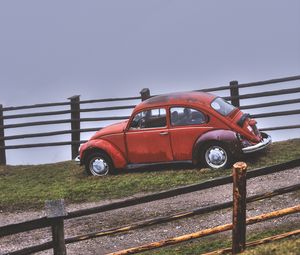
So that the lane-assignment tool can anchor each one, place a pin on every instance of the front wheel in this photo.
(98, 164)
(216, 156)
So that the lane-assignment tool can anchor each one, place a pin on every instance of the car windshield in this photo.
(222, 106)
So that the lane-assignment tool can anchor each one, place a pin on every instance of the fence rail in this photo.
(50, 221)
(75, 119)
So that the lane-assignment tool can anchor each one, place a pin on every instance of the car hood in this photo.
(111, 129)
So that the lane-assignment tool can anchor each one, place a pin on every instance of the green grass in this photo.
(27, 187)
(290, 246)
(211, 243)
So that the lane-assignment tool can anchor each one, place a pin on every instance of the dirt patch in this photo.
(168, 206)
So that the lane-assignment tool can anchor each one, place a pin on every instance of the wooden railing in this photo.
(73, 108)
(55, 217)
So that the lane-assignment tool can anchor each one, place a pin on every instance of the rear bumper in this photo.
(267, 140)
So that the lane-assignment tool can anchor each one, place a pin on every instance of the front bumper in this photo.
(267, 140)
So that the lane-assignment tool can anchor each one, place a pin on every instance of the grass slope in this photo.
(27, 187)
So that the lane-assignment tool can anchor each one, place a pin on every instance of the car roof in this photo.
(184, 98)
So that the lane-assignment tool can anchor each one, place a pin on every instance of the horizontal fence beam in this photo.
(276, 103)
(36, 114)
(180, 215)
(280, 128)
(275, 114)
(34, 145)
(23, 107)
(37, 123)
(109, 100)
(104, 118)
(258, 242)
(243, 85)
(154, 245)
(182, 190)
(42, 114)
(45, 134)
(265, 94)
(44, 222)
(209, 231)
(213, 89)
(265, 82)
(52, 122)
(146, 223)
(108, 108)
(24, 226)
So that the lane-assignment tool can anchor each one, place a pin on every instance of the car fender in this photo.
(227, 137)
(111, 150)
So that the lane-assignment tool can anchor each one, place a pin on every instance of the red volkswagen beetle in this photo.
(192, 127)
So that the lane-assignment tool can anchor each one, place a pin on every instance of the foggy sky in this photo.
(51, 50)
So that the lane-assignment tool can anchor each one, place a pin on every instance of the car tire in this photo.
(216, 156)
(99, 164)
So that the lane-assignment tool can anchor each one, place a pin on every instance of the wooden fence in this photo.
(74, 109)
(56, 214)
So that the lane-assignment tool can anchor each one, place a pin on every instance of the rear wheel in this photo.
(216, 156)
(98, 164)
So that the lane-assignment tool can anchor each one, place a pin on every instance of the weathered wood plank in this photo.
(258, 242)
(180, 215)
(184, 190)
(206, 232)
(239, 207)
(55, 210)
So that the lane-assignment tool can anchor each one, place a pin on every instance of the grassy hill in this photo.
(27, 187)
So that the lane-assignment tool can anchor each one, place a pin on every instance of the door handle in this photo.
(164, 133)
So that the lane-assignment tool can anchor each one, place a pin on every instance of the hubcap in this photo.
(98, 166)
(216, 157)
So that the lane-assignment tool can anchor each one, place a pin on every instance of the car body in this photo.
(192, 127)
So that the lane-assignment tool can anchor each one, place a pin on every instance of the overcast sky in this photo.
(51, 50)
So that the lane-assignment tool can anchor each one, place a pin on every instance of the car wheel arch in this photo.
(116, 156)
(219, 136)
(92, 150)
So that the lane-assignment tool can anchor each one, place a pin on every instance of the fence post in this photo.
(145, 93)
(2, 142)
(75, 124)
(234, 93)
(239, 207)
(55, 210)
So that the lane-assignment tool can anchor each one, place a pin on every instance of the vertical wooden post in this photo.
(2, 142)
(145, 93)
(239, 207)
(234, 93)
(75, 124)
(55, 211)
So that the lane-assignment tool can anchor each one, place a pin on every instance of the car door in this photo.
(147, 138)
(186, 125)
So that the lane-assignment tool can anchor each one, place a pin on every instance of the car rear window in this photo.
(222, 106)
(182, 116)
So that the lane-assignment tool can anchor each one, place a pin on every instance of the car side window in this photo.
(149, 119)
(182, 116)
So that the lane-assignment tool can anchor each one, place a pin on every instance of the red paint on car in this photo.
(191, 126)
